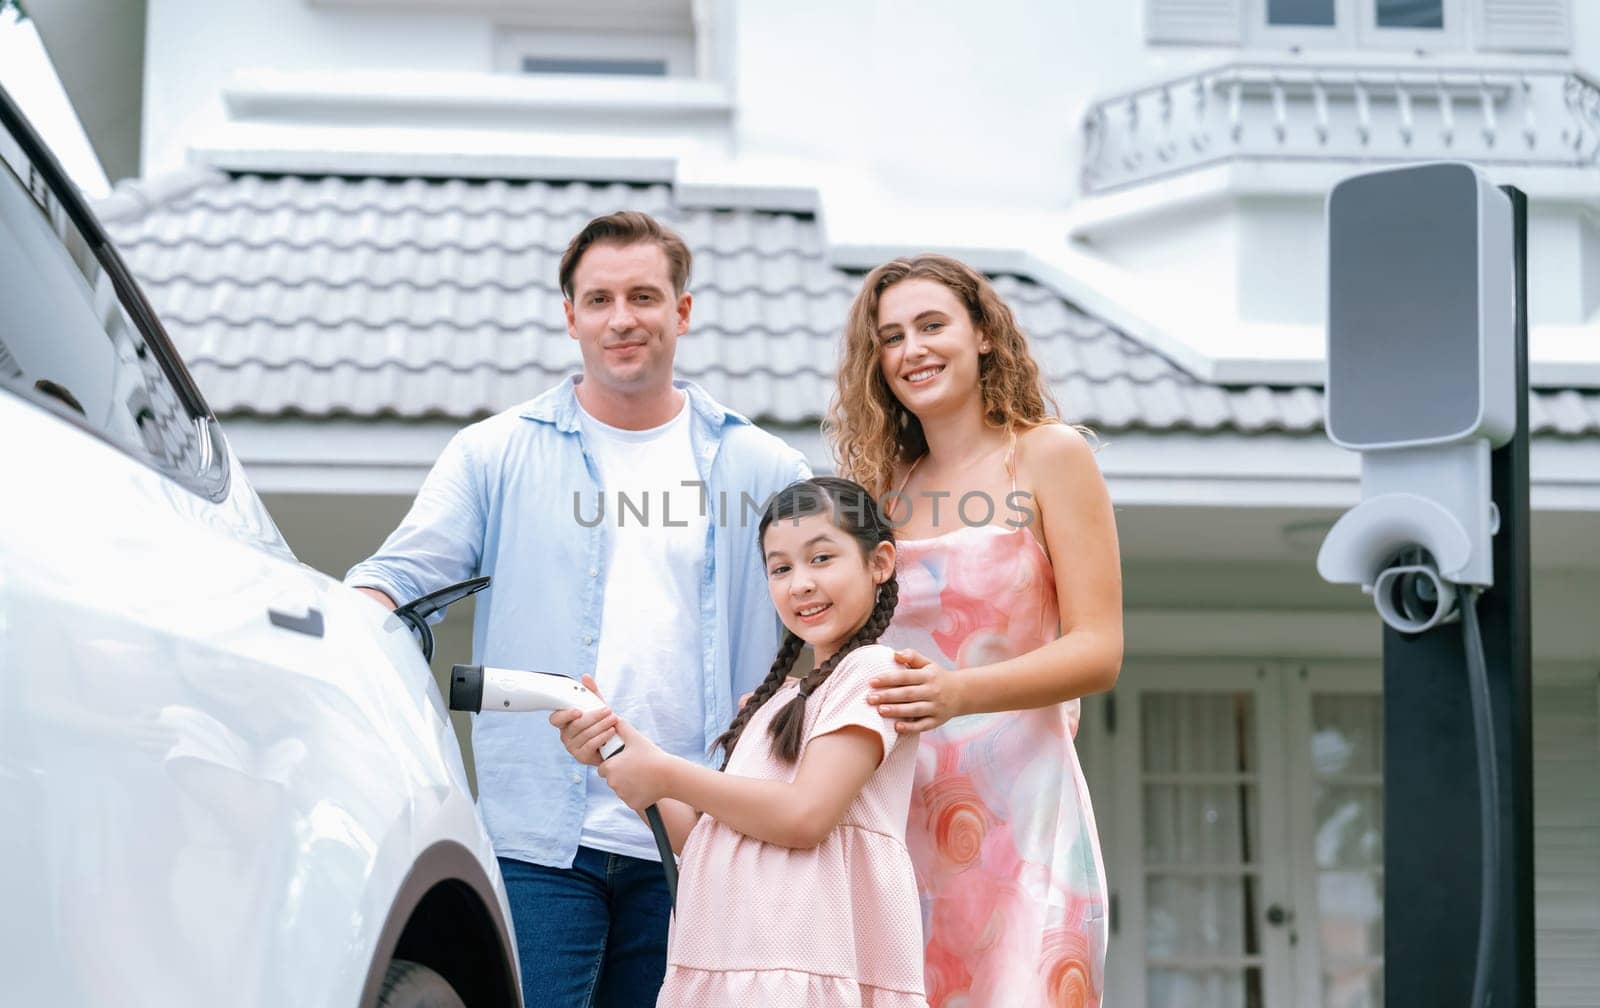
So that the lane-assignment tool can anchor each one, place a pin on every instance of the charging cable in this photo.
(669, 865)
(1488, 799)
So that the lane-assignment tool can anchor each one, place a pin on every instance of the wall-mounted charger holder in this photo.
(1421, 305)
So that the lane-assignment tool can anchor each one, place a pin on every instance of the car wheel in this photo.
(413, 985)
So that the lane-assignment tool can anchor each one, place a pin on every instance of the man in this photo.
(610, 512)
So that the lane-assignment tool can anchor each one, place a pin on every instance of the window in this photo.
(68, 344)
(1429, 25)
(617, 54)
(1300, 13)
(566, 37)
(1243, 833)
(1411, 24)
(1387, 13)
(1359, 24)
(595, 65)
(1410, 13)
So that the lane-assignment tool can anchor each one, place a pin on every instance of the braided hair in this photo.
(854, 512)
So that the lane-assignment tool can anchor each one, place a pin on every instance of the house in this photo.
(349, 213)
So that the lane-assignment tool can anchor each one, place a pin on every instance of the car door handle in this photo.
(309, 624)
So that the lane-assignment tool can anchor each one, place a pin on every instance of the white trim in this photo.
(1305, 371)
(1466, 63)
(132, 197)
(598, 14)
(1142, 470)
(1305, 470)
(359, 97)
(1281, 177)
(433, 164)
(337, 457)
(1268, 371)
(1256, 635)
(734, 196)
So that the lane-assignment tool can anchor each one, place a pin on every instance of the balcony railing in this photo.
(1332, 114)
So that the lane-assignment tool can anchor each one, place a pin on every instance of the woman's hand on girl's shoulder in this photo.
(919, 695)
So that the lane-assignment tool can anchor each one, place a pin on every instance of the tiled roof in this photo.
(421, 298)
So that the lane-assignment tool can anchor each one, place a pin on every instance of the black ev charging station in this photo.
(1428, 379)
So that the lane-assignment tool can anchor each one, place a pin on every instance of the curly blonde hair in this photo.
(870, 431)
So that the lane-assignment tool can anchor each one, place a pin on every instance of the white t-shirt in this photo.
(648, 664)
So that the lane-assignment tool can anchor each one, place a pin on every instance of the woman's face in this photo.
(928, 348)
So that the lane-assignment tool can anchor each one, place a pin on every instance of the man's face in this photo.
(626, 317)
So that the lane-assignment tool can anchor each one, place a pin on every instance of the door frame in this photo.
(1301, 681)
(1126, 966)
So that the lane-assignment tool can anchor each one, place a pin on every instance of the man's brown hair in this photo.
(627, 227)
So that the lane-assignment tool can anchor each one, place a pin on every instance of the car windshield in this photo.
(65, 340)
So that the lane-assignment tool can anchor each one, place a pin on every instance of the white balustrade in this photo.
(1355, 114)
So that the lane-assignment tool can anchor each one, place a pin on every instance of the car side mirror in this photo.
(415, 614)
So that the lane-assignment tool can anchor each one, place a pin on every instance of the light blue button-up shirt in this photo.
(514, 497)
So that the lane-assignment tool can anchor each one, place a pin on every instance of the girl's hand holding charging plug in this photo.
(584, 732)
(638, 773)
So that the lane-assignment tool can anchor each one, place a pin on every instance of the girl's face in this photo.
(928, 348)
(822, 585)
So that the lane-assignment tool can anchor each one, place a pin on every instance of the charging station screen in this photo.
(1403, 312)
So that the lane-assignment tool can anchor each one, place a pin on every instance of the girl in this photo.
(796, 885)
(1011, 582)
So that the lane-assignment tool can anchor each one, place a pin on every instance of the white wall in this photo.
(934, 105)
(938, 103)
(942, 103)
(193, 47)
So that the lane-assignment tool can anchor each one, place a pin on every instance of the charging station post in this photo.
(1428, 379)
(1430, 789)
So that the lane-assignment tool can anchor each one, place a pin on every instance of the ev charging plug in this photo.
(484, 688)
(478, 688)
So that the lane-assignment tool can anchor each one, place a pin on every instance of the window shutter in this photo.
(1194, 22)
(1525, 25)
(1566, 844)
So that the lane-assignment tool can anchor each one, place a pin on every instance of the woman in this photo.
(1010, 611)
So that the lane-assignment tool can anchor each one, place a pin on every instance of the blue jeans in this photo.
(590, 936)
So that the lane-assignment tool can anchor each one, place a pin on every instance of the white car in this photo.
(225, 779)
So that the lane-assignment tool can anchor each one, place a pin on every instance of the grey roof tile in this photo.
(424, 298)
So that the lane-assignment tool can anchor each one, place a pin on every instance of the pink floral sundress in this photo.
(1001, 832)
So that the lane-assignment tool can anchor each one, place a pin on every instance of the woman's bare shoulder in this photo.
(1053, 445)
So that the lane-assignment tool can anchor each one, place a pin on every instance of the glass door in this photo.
(1200, 861)
(1335, 732)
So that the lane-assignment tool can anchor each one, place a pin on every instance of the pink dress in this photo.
(832, 927)
(1001, 832)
